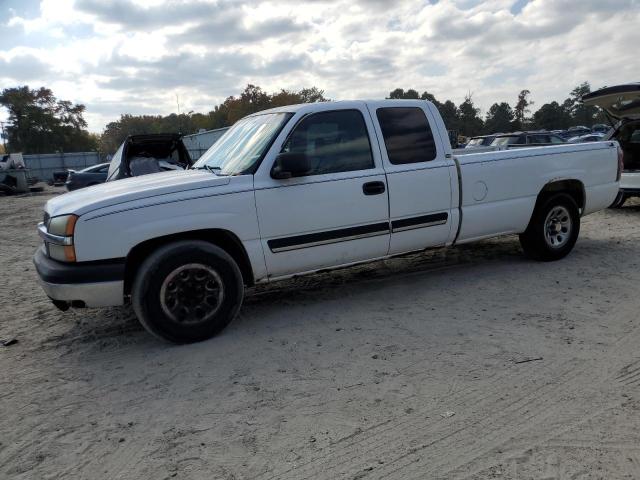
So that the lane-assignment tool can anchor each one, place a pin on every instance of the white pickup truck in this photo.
(304, 188)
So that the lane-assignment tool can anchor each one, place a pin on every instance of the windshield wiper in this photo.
(214, 170)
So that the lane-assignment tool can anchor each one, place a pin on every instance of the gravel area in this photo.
(472, 362)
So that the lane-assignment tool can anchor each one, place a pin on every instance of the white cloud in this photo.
(124, 56)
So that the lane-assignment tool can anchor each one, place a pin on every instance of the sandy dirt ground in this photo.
(472, 362)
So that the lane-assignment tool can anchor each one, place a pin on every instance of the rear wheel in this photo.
(619, 201)
(553, 229)
(187, 291)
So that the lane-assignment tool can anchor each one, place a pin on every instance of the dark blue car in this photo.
(87, 177)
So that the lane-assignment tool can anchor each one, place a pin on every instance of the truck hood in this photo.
(621, 102)
(92, 198)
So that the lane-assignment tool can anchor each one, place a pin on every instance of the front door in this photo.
(336, 213)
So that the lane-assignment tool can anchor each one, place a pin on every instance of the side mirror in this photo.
(290, 164)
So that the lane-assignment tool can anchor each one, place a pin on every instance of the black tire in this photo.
(188, 271)
(619, 201)
(545, 238)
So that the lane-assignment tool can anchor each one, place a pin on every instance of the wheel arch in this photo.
(224, 239)
(572, 187)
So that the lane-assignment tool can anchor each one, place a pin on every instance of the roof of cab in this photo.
(327, 105)
(300, 106)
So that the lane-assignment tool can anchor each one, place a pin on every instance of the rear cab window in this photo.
(407, 135)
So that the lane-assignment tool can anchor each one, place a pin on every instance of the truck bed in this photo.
(501, 199)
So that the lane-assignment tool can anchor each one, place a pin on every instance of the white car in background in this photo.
(622, 104)
(592, 137)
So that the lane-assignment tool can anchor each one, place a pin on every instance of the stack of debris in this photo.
(15, 177)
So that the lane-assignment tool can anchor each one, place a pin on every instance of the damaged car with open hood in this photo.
(149, 153)
(621, 103)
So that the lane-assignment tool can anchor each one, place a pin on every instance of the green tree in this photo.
(521, 110)
(311, 95)
(469, 121)
(581, 114)
(552, 116)
(448, 109)
(40, 123)
(400, 93)
(499, 118)
(450, 115)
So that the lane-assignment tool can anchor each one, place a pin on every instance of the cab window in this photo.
(335, 141)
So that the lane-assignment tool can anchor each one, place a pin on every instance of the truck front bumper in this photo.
(90, 284)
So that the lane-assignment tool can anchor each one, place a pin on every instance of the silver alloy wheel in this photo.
(192, 293)
(557, 227)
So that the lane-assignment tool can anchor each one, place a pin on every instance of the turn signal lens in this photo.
(70, 253)
(62, 253)
(71, 225)
(62, 226)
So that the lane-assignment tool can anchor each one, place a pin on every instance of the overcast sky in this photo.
(126, 56)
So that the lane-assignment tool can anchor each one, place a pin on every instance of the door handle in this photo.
(373, 188)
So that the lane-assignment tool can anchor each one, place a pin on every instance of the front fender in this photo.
(112, 234)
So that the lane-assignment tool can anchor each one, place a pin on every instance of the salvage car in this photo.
(592, 137)
(87, 177)
(578, 131)
(526, 139)
(481, 141)
(622, 104)
(298, 189)
(148, 153)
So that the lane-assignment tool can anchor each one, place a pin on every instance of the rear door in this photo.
(338, 212)
(419, 175)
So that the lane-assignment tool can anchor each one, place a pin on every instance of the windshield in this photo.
(504, 141)
(474, 142)
(244, 144)
(93, 168)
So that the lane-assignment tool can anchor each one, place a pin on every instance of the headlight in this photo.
(59, 238)
(63, 226)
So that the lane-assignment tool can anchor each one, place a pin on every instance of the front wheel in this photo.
(553, 229)
(187, 291)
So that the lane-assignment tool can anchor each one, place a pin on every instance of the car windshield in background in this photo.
(475, 142)
(95, 168)
(498, 141)
(244, 144)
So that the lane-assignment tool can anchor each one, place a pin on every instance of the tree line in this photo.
(502, 117)
(252, 99)
(40, 123)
